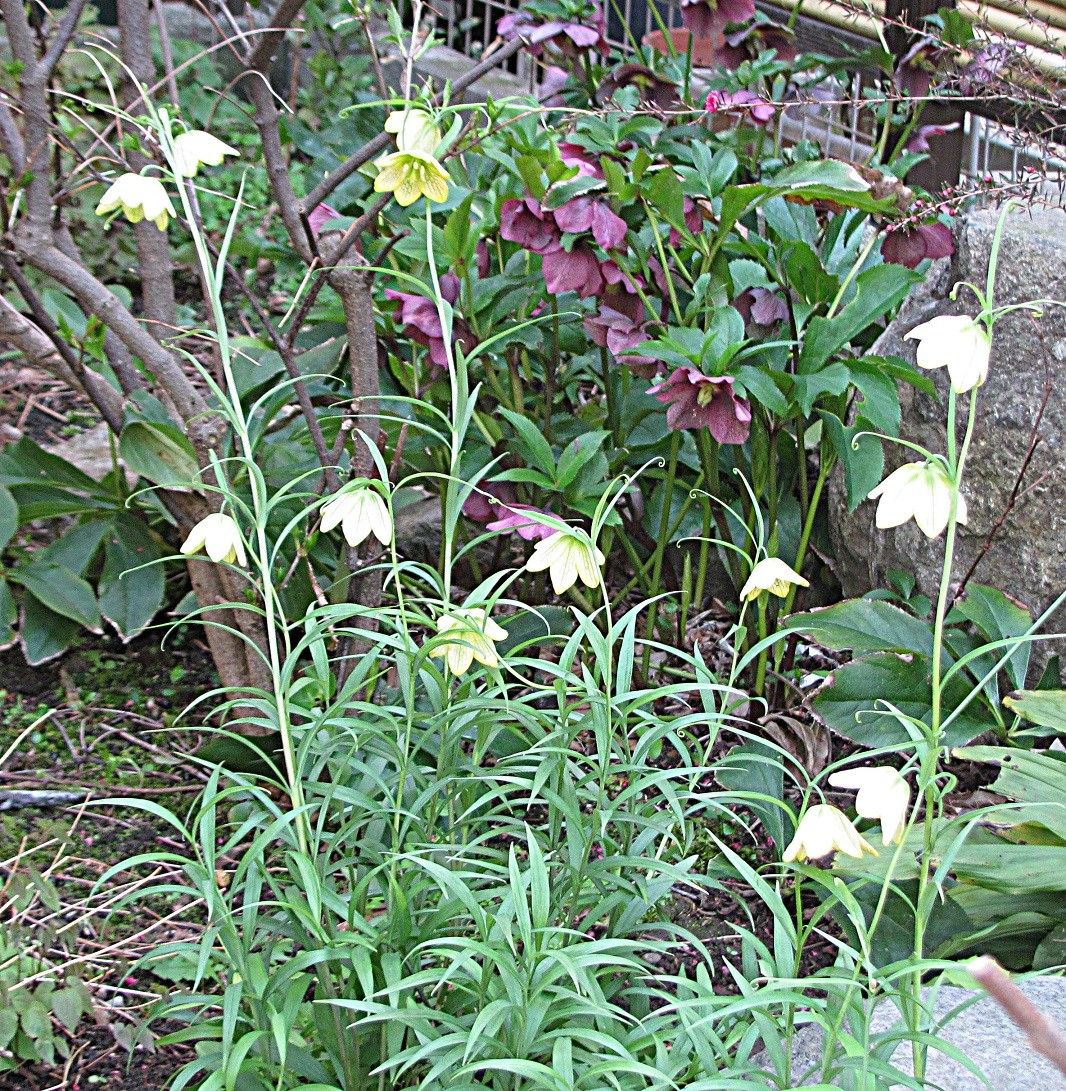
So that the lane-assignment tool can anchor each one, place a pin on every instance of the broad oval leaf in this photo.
(59, 589)
(161, 454)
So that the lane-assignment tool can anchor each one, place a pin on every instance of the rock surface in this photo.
(1027, 559)
(981, 1032)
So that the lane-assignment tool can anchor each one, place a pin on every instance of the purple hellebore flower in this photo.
(910, 246)
(919, 142)
(655, 91)
(619, 333)
(517, 519)
(986, 67)
(707, 19)
(696, 400)
(747, 42)
(551, 85)
(618, 297)
(587, 164)
(590, 214)
(767, 308)
(917, 67)
(576, 271)
(526, 223)
(481, 257)
(565, 36)
(482, 508)
(615, 277)
(319, 216)
(760, 111)
(421, 323)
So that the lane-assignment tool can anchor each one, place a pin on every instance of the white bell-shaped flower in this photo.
(414, 130)
(824, 829)
(568, 557)
(471, 634)
(195, 149)
(139, 197)
(220, 536)
(882, 794)
(359, 511)
(920, 491)
(773, 575)
(957, 342)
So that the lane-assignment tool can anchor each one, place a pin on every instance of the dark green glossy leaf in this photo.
(64, 592)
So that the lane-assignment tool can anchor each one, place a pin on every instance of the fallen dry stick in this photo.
(1043, 1035)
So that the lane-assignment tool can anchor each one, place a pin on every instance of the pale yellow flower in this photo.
(957, 342)
(773, 575)
(920, 491)
(408, 175)
(882, 794)
(824, 829)
(195, 148)
(471, 634)
(359, 512)
(414, 129)
(140, 198)
(220, 536)
(568, 557)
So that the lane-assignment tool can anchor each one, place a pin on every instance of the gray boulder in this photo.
(979, 1031)
(1027, 559)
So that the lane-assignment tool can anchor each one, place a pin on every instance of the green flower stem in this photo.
(549, 372)
(709, 462)
(853, 272)
(665, 264)
(661, 544)
(930, 756)
(272, 613)
(825, 468)
(760, 666)
(608, 393)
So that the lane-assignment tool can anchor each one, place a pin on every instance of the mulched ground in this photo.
(99, 1063)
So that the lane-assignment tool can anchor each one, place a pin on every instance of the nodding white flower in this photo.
(220, 536)
(920, 491)
(773, 575)
(957, 342)
(195, 149)
(414, 129)
(359, 511)
(140, 198)
(882, 794)
(568, 557)
(471, 634)
(824, 829)
(408, 175)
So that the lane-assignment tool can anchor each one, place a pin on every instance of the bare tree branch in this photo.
(284, 16)
(156, 266)
(40, 351)
(61, 39)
